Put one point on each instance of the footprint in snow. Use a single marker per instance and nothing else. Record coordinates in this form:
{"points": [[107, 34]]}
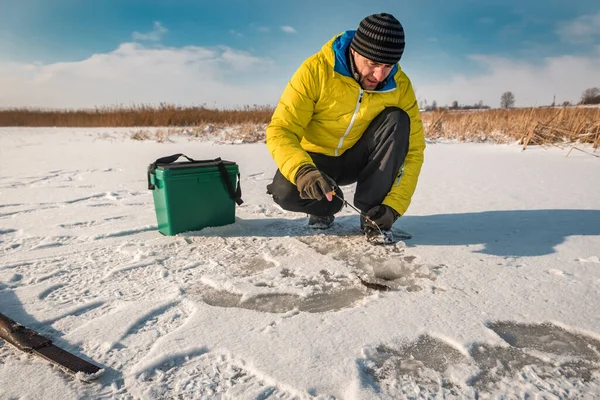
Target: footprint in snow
{"points": [[141, 335], [538, 359], [280, 303], [203, 375], [92, 223], [37, 243]]}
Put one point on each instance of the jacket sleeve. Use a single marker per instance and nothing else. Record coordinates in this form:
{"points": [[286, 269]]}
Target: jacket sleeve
{"points": [[290, 119], [399, 197]]}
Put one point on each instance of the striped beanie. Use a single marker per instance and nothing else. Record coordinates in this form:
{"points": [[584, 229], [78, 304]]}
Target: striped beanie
{"points": [[380, 38]]}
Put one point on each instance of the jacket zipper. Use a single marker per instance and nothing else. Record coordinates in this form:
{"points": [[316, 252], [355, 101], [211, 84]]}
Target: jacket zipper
{"points": [[360, 95]]}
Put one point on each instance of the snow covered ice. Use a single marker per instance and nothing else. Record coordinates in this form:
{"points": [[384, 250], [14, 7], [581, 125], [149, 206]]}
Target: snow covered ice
{"points": [[496, 294]]}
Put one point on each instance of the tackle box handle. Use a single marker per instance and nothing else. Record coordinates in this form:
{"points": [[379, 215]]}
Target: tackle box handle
{"points": [[236, 194]]}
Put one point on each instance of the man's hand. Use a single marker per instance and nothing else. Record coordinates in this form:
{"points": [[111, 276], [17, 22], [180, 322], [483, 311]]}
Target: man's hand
{"points": [[314, 184], [383, 216]]}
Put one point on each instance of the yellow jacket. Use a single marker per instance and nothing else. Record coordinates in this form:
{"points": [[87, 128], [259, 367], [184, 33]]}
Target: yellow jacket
{"points": [[324, 110]]}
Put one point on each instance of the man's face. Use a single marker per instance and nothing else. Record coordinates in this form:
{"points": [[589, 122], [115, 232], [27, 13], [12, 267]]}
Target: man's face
{"points": [[371, 73]]}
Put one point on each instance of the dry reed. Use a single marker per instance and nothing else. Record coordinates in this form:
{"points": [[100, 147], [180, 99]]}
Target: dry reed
{"points": [[528, 126]]}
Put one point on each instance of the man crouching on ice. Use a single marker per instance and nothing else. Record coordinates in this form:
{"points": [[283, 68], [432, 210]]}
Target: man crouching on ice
{"points": [[349, 115]]}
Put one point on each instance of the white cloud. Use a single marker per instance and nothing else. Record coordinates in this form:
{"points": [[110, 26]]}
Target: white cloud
{"points": [[263, 29], [155, 35], [235, 33], [136, 74], [532, 84], [226, 77], [288, 29], [584, 29]]}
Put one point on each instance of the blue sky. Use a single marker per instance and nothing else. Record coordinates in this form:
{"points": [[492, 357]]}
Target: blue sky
{"points": [[68, 53]]}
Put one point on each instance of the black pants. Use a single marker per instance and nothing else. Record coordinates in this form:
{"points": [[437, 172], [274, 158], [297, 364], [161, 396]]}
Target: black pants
{"points": [[374, 163]]}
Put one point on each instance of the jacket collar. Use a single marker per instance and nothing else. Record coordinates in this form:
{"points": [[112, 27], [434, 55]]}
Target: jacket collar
{"points": [[340, 46]]}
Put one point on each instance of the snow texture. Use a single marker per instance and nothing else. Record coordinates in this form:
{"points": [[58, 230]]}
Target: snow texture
{"points": [[495, 295]]}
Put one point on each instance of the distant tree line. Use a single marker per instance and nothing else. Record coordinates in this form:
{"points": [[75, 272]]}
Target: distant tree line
{"points": [[507, 100], [455, 106]]}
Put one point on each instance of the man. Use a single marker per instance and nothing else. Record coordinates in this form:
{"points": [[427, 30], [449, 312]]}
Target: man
{"points": [[349, 115]]}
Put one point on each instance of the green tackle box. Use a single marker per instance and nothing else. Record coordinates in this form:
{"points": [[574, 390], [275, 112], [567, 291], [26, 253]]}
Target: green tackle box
{"points": [[192, 195]]}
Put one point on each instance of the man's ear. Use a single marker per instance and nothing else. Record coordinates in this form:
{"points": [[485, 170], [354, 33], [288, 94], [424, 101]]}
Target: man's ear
{"points": [[353, 70]]}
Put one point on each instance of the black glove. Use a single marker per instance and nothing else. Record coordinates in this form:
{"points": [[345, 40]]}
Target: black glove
{"points": [[312, 183], [383, 216]]}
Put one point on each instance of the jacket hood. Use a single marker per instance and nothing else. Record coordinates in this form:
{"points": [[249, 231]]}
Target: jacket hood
{"points": [[335, 52]]}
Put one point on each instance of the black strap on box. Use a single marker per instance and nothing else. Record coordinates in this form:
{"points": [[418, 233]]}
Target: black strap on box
{"points": [[236, 194]]}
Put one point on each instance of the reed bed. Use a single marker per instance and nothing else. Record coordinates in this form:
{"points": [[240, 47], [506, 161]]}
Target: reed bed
{"points": [[528, 126], [135, 116]]}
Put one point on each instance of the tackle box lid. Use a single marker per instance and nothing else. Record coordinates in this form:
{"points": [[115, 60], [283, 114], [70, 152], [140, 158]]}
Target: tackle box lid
{"points": [[195, 164]]}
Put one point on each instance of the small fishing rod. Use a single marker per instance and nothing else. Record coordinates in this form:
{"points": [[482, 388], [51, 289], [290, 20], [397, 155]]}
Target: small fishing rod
{"points": [[367, 219]]}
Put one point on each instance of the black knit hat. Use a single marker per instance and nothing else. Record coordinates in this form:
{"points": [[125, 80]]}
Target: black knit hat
{"points": [[380, 38]]}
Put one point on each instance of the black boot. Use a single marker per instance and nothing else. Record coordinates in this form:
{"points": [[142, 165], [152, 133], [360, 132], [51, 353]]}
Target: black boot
{"points": [[320, 222]]}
